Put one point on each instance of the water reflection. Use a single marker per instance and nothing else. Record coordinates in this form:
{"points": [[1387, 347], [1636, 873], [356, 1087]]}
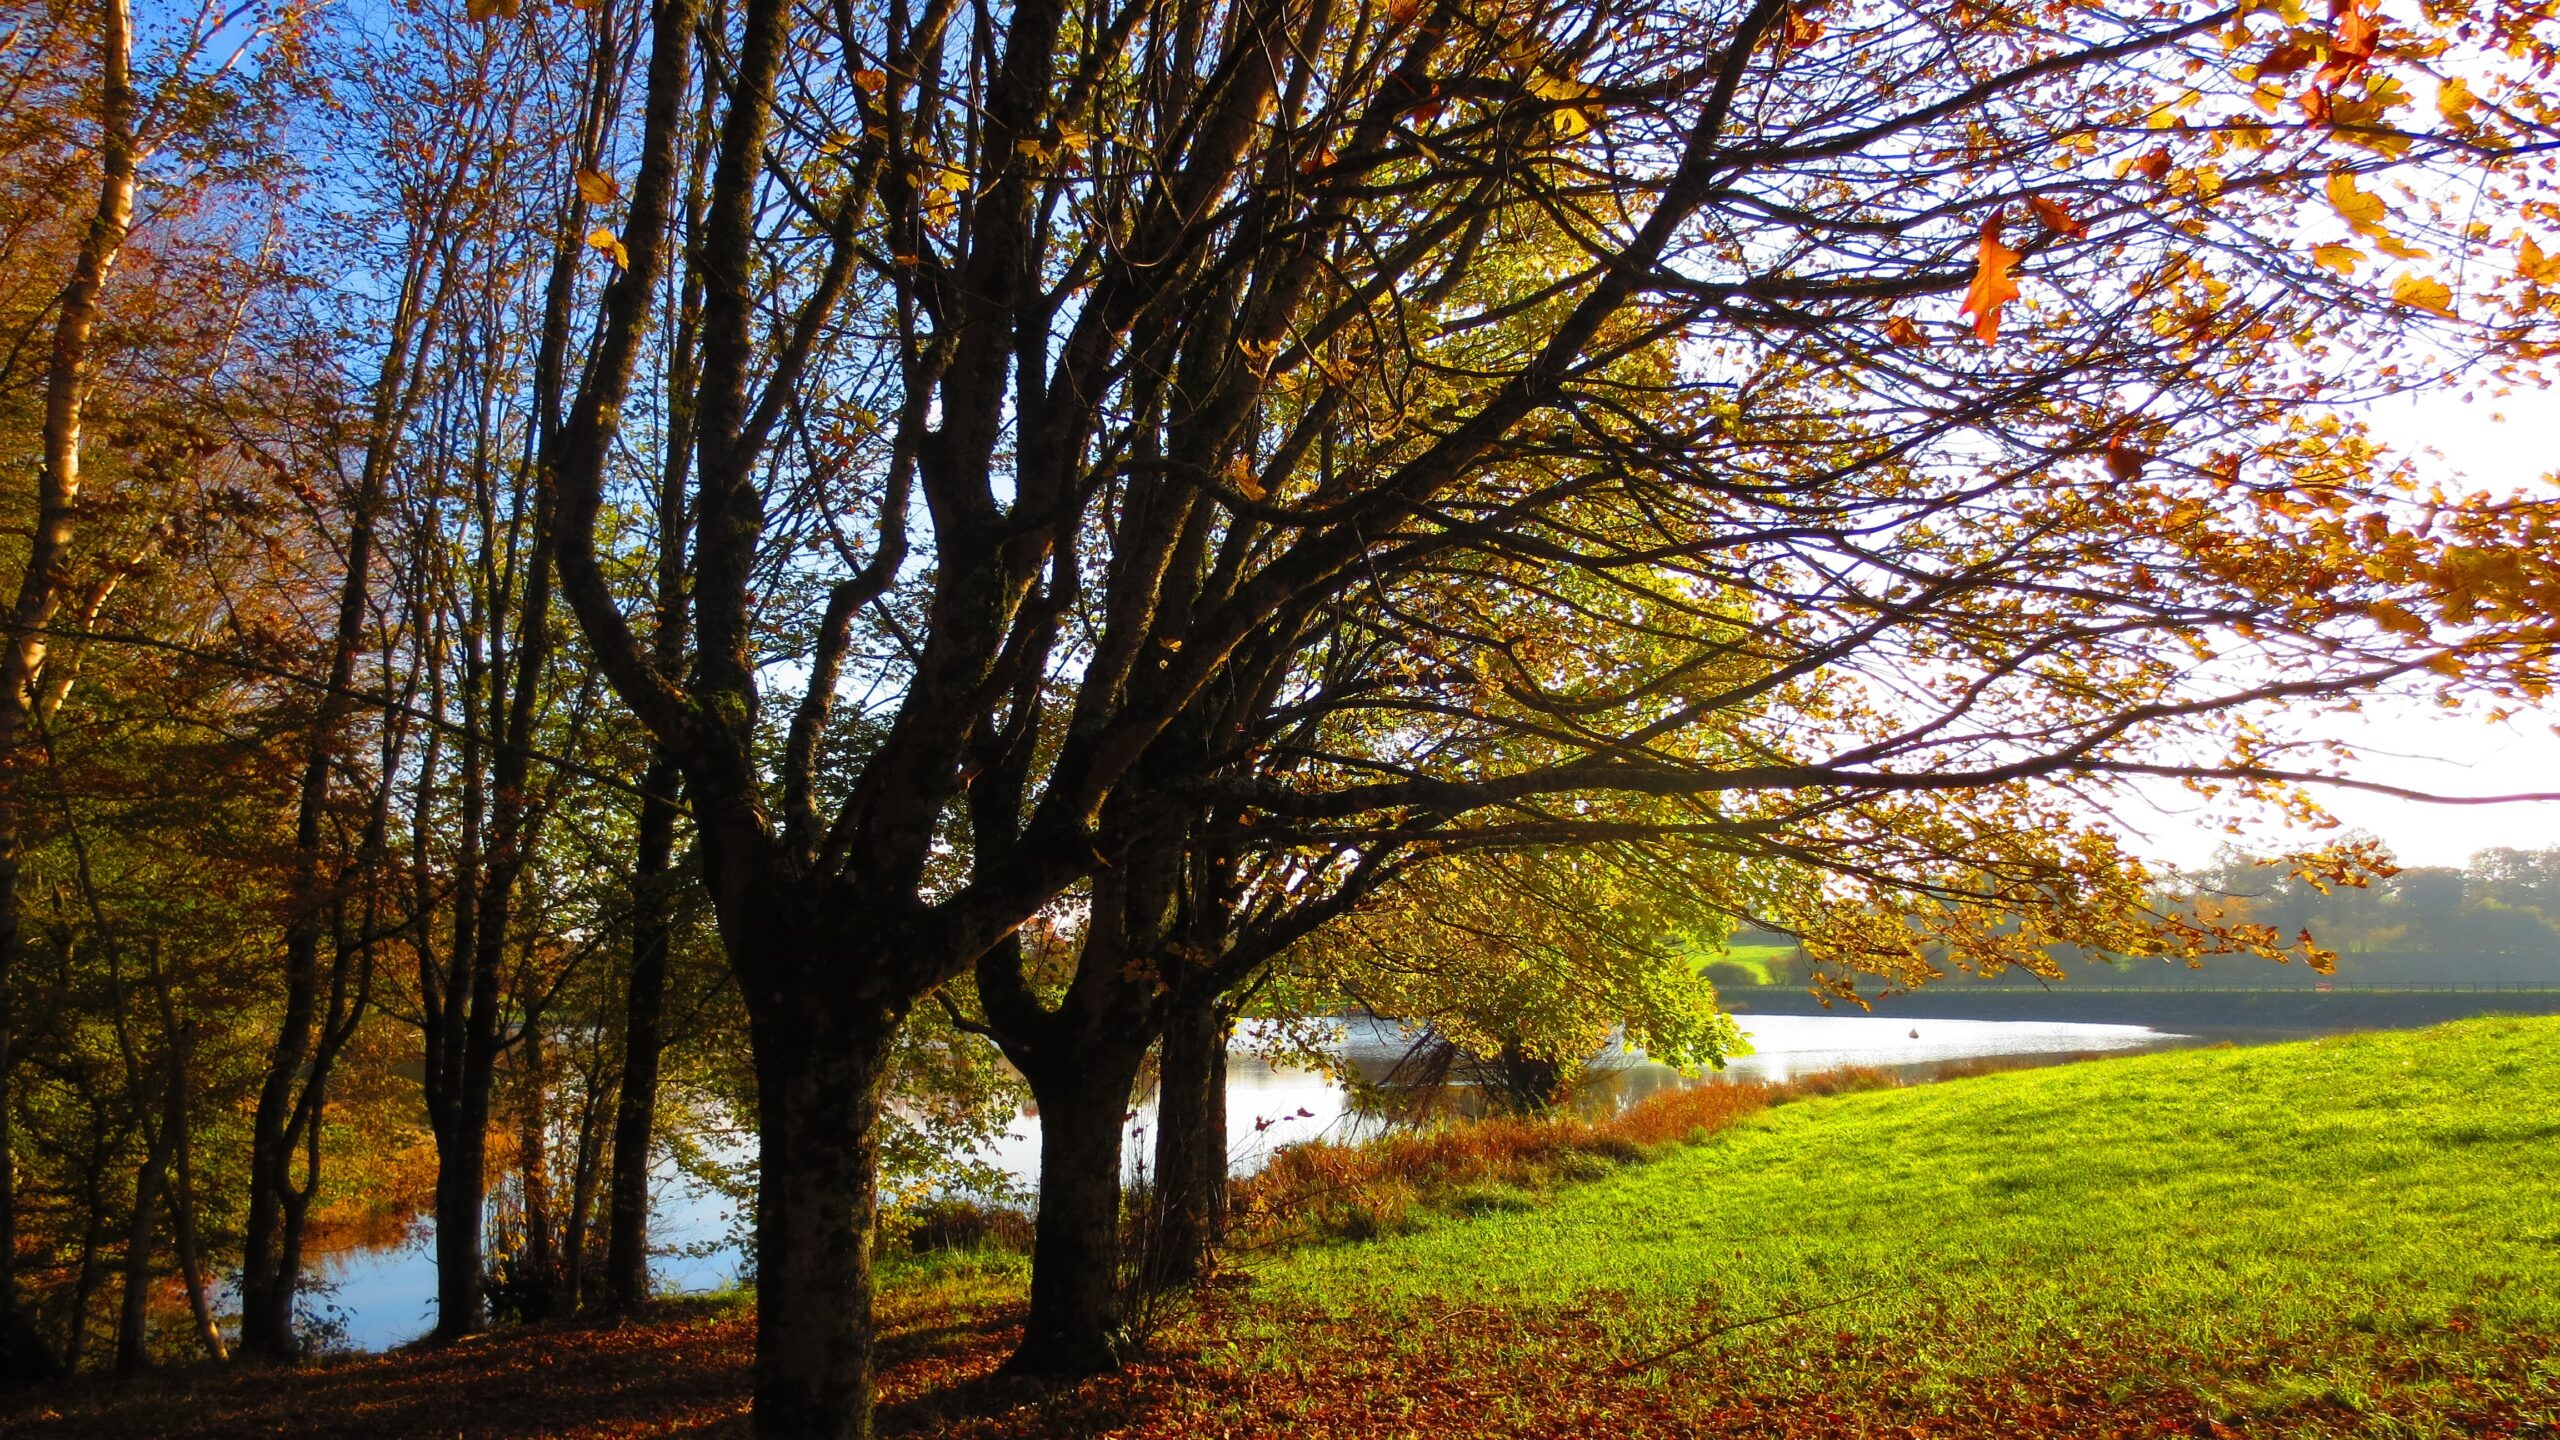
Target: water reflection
{"points": [[381, 1296]]}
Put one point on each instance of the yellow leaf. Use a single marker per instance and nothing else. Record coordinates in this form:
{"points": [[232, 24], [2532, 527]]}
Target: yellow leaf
{"points": [[2340, 258], [2423, 292], [603, 238], [597, 188], [2395, 617], [2454, 100], [2361, 209], [1240, 474], [2533, 265]]}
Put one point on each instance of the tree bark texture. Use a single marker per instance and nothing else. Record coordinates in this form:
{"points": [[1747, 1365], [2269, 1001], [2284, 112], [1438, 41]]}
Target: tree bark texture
{"points": [[1075, 1324], [1191, 1140], [817, 1195]]}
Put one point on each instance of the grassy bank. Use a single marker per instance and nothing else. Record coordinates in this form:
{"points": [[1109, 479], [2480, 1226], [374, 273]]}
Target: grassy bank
{"points": [[2359, 1235], [2354, 1236]]}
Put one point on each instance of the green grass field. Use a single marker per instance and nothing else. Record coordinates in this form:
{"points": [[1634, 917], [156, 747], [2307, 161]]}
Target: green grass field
{"points": [[1754, 958], [2353, 1235]]}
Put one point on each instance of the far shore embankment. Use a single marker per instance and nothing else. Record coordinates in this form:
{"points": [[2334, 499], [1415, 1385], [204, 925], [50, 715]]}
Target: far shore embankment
{"points": [[2295, 1008]]}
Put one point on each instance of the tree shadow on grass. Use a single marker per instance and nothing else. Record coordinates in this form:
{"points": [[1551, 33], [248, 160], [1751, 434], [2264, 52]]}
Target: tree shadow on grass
{"points": [[686, 1374], [684, 1371]]}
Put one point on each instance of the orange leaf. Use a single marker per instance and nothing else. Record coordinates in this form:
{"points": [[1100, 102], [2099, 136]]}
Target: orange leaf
{"points": [[2351, 48], [1901, 331], [2284, 60], [2057, 219], [2153, 167], [2123, 461], [870, 82], [1992, 288]]}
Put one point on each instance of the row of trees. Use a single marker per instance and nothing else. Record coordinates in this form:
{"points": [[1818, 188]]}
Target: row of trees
{"points": [[565, 529], [2496, 919]]}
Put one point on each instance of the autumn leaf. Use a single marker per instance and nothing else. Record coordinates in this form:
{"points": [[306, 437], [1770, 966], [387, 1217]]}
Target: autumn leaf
{"points": [[597, 188], [2361, 209], [2125, 462], [2057, 219], [602, 238], [481, 10], [2341, 258], [1403, 12], [1240, 474], [2285, 60], [2424, 292], [2396, 618], [1571, 120], [1992, 286], [1902, 331], [870, 82], [2454, 101], [2153, 167], [2351, 47], [2533, 266], [2364, 213]]}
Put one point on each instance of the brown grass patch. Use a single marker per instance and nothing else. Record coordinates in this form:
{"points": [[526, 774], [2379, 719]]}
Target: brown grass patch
{"points": [[1362, 1189]]}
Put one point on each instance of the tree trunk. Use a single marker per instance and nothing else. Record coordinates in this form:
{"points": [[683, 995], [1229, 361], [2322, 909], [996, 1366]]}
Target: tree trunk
{"points": [[133, 1319], [818, 1102], [1191, 1141], [462, 1178], [1075, 1322], [626, 1265], [68, 377], [182, 1223], [533, 1181]]}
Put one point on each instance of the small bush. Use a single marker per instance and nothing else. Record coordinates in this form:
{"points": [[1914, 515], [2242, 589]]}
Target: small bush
{"points": [[1357, 1192], [964, 1225]]}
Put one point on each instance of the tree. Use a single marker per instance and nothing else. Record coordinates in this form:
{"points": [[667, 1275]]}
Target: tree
{"points": [[1155, 325]]}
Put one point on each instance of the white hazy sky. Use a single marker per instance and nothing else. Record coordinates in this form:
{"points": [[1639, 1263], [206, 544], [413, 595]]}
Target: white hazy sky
{"points": [[2496, 445]]}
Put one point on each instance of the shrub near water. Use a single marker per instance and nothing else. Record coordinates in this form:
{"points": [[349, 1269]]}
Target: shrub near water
{"points": [[1359, 1191]]}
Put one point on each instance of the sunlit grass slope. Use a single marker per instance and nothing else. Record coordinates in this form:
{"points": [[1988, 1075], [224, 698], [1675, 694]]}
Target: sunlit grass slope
{"points": [[2351, 1235]]}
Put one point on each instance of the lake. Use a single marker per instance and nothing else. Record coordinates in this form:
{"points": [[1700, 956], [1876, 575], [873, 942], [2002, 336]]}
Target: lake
{"points": [[383, 1296]]}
